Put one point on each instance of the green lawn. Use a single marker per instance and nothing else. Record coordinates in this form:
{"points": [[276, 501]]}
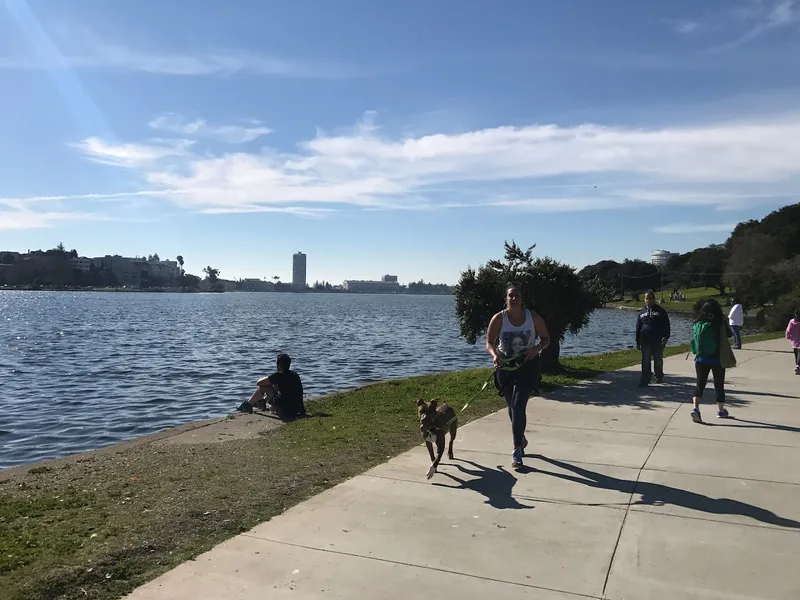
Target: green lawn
{"points": [[102, 525], [692, 296]]}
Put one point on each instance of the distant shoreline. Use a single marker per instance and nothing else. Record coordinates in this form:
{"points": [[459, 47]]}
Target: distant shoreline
{"points": [[18, 288]]}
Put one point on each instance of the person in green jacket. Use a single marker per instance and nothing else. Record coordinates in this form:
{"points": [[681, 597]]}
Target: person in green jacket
{"points": [[706, 337]]}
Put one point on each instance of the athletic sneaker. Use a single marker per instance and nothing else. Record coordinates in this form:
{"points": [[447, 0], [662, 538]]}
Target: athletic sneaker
{"points": [[723, 414], [516, 458], [696, 415], [245, 407]]}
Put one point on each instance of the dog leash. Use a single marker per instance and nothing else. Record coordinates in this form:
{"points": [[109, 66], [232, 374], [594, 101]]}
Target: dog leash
{"points": [[501, 367]]}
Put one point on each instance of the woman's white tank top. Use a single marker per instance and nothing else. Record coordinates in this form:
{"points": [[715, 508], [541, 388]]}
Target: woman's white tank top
{"points": [[514, 340]]}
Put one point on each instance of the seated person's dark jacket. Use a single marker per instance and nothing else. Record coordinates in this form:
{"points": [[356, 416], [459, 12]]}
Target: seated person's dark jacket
{"points": [[289, 401]]}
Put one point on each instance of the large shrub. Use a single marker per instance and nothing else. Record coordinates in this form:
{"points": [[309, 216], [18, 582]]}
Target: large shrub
{"points": [[551, 288]]}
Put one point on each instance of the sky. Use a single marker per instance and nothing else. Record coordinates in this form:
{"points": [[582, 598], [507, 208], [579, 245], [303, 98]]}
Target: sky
{"points": [[409, 138]]}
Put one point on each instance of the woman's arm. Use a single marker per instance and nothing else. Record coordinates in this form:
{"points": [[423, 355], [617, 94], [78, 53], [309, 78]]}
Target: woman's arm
{"points": [[491, 336], [541, 331]]}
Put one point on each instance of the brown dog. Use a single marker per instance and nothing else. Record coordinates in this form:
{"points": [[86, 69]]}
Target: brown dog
{"points": [[434, 421]]}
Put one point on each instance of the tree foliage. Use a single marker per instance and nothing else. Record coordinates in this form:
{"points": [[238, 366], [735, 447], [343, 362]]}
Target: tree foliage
{"points": [[212, 274], [551, 288], [783, 310], [705, 267]]}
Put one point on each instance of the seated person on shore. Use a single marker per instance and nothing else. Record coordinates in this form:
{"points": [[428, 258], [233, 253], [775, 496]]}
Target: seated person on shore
{"points": [[282, 391]]}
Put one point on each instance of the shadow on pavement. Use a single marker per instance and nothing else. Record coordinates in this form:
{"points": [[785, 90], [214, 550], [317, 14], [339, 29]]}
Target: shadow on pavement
{"points": [[656, 494], [496, 484], [754, 425], [620, 388]]}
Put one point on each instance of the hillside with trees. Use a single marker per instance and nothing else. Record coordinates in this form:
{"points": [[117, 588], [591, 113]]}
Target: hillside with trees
{"points": [[759, 264]]}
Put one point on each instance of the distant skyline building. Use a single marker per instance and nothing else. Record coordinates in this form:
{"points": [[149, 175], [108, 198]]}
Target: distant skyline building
{"points": [[387, 284], [299, 270], [661, 257]]}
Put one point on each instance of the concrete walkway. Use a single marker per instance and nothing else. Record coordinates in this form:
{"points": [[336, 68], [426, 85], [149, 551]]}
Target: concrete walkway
{"points": [[623, 498]]}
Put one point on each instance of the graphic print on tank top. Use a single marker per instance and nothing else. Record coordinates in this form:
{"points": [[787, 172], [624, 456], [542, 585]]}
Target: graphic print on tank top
{"points": [[515, 339], [514, 343]]}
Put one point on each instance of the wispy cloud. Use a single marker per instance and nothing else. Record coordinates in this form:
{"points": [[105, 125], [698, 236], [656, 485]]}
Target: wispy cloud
{"points": [[679, 228], [23, 219], [761, 17], [539, 167], [223, 62], [130, 155], [684, 27], [231, 134]]}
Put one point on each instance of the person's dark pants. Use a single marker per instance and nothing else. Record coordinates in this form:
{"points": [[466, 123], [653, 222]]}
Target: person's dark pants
{"points": [[702, 370], [797, 358], [516, 387], [737, 336], [652, 352]]}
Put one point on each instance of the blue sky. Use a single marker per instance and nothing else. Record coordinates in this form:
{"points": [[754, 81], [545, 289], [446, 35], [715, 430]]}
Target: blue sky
{"points": [[409, 138]]}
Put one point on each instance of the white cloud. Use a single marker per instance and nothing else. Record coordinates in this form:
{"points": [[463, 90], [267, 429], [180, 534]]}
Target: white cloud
{"points": [[231, 134], [685, 27], [678, 228], [717, 164], [130, 155], [120, 58], [18, 219], [761, 17]]}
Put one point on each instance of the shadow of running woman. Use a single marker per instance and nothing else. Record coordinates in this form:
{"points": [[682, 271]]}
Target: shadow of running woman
{"points": [[495, 484], [656, 494]]}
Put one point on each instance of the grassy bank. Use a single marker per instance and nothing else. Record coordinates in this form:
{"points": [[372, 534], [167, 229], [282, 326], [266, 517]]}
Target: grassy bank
{"points": [[99, 526], [687, 307]]}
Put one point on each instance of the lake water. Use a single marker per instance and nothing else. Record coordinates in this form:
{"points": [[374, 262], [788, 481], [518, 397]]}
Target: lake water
{"points": [[82, 370]]}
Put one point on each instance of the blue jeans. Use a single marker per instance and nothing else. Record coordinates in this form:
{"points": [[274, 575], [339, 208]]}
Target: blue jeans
{"points": [[737, 335], [652, 351]]}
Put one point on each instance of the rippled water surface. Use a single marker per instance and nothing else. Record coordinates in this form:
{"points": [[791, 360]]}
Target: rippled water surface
{"points": [[84, 370]]}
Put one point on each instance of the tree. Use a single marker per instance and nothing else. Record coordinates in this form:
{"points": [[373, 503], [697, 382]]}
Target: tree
{"points": [[553, 289], [8, 259], [212, 274], [191, 281], [597, 287], [706, 267], [639, 275], [750, 268]]}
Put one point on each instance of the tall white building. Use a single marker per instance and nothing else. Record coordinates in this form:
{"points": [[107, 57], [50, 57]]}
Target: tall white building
{"points": [[299, 270]]}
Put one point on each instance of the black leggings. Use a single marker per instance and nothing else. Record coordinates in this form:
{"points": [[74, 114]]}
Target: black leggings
{"points": [[702, 370], [516, 387], [797, 357]]}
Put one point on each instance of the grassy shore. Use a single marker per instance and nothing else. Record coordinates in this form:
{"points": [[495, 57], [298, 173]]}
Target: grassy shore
{"points": [[687, 307], [99, 526]]}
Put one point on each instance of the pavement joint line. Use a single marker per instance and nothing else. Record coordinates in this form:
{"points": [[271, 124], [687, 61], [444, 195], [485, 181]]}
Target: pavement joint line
{"points": [[691, 437], [630, 498], [724, 477], [589, 429], [709, 520], [425, 567]]}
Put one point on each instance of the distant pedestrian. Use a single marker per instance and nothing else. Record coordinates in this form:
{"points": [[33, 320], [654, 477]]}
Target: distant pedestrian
{"points": [[517, 336], [708, 334], [652, 335], [793, 335], [736, 320]]}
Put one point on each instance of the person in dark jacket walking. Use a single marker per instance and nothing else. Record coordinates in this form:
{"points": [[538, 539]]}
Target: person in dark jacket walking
{"points": [[652, 334]]}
